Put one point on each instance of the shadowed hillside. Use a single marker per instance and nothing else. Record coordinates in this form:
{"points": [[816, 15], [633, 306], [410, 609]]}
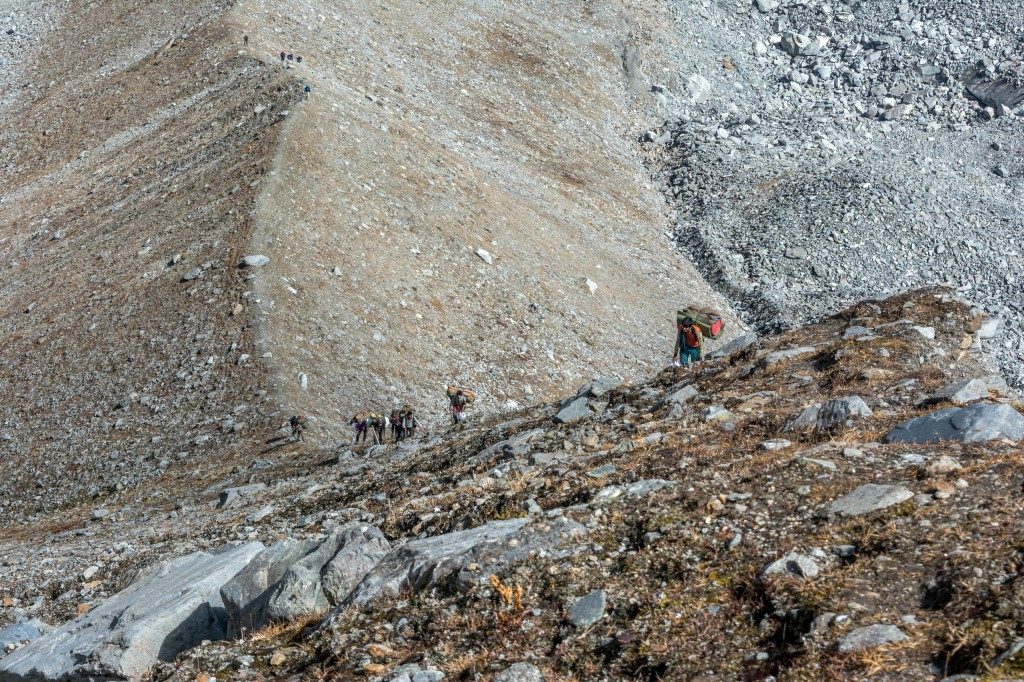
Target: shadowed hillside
{"points": [[131, 164]]}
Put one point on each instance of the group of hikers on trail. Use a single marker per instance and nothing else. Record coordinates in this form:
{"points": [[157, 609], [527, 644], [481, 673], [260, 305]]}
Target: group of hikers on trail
{"points": [[693, 325], [366, 423], [403, 423]]}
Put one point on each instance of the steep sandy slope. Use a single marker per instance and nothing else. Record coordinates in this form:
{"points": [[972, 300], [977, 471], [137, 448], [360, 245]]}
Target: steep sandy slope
{"points": [[131, 158], [436, 130]]}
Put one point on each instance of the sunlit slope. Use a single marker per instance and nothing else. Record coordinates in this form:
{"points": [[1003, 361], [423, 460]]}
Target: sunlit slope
{"points": [[434, 131]]}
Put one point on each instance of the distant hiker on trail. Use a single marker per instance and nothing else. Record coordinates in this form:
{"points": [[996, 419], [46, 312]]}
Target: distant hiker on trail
{"points": [[245, 40], [282, 57], [361, 422], [459, 399], [689, 343], [306, 90], [377, 422], [298, 425], [409, 422], [458, 407], [396, 425], [298, 58]]}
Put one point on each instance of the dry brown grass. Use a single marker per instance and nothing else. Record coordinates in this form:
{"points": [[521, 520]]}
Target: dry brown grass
{"points": [[891, 659], [285, 631]]}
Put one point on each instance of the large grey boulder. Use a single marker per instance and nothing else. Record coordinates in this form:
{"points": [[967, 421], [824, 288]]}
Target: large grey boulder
{"points": [[246, 595], [360, 548], [870, 637], [600, 386], [837, 413], [975, 423], [168, 609], [296, 578], [740, 343], [299, 593], [458, 560], [964, 392], [869, 498]]}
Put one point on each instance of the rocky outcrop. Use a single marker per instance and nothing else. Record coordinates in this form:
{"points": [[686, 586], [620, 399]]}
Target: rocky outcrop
{"points": [[456, 560], [297, 578], [976, 423], [246, 596], [167, 610]]}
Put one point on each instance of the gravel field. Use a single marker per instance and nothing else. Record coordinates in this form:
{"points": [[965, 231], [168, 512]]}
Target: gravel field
{"points": [[23, 23], [820, 153]]}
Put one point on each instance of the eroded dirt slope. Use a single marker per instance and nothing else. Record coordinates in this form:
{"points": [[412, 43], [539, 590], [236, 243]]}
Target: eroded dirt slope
{"points": [[132, 155]]}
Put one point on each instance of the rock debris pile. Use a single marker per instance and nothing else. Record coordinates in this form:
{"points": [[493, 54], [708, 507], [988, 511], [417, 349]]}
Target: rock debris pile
{"points": [[837, 151]]}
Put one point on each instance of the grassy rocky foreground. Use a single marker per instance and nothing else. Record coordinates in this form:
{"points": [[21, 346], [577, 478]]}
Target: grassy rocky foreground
{"points": [[839, 502]]}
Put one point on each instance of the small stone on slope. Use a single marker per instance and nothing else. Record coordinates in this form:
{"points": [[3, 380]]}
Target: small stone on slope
{"points": [[869, 498], [870, 637], [588, 609]]}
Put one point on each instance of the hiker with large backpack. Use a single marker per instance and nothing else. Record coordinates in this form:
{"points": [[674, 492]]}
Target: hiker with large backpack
{"points": [[689, 343], [459, 399], [408, 421], [361, 423], [378, 423], [298, 425], [693, 325], [396, 425]]}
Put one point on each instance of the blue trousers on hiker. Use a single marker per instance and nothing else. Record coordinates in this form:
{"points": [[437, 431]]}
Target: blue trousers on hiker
{"points": [[688, 355]]}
